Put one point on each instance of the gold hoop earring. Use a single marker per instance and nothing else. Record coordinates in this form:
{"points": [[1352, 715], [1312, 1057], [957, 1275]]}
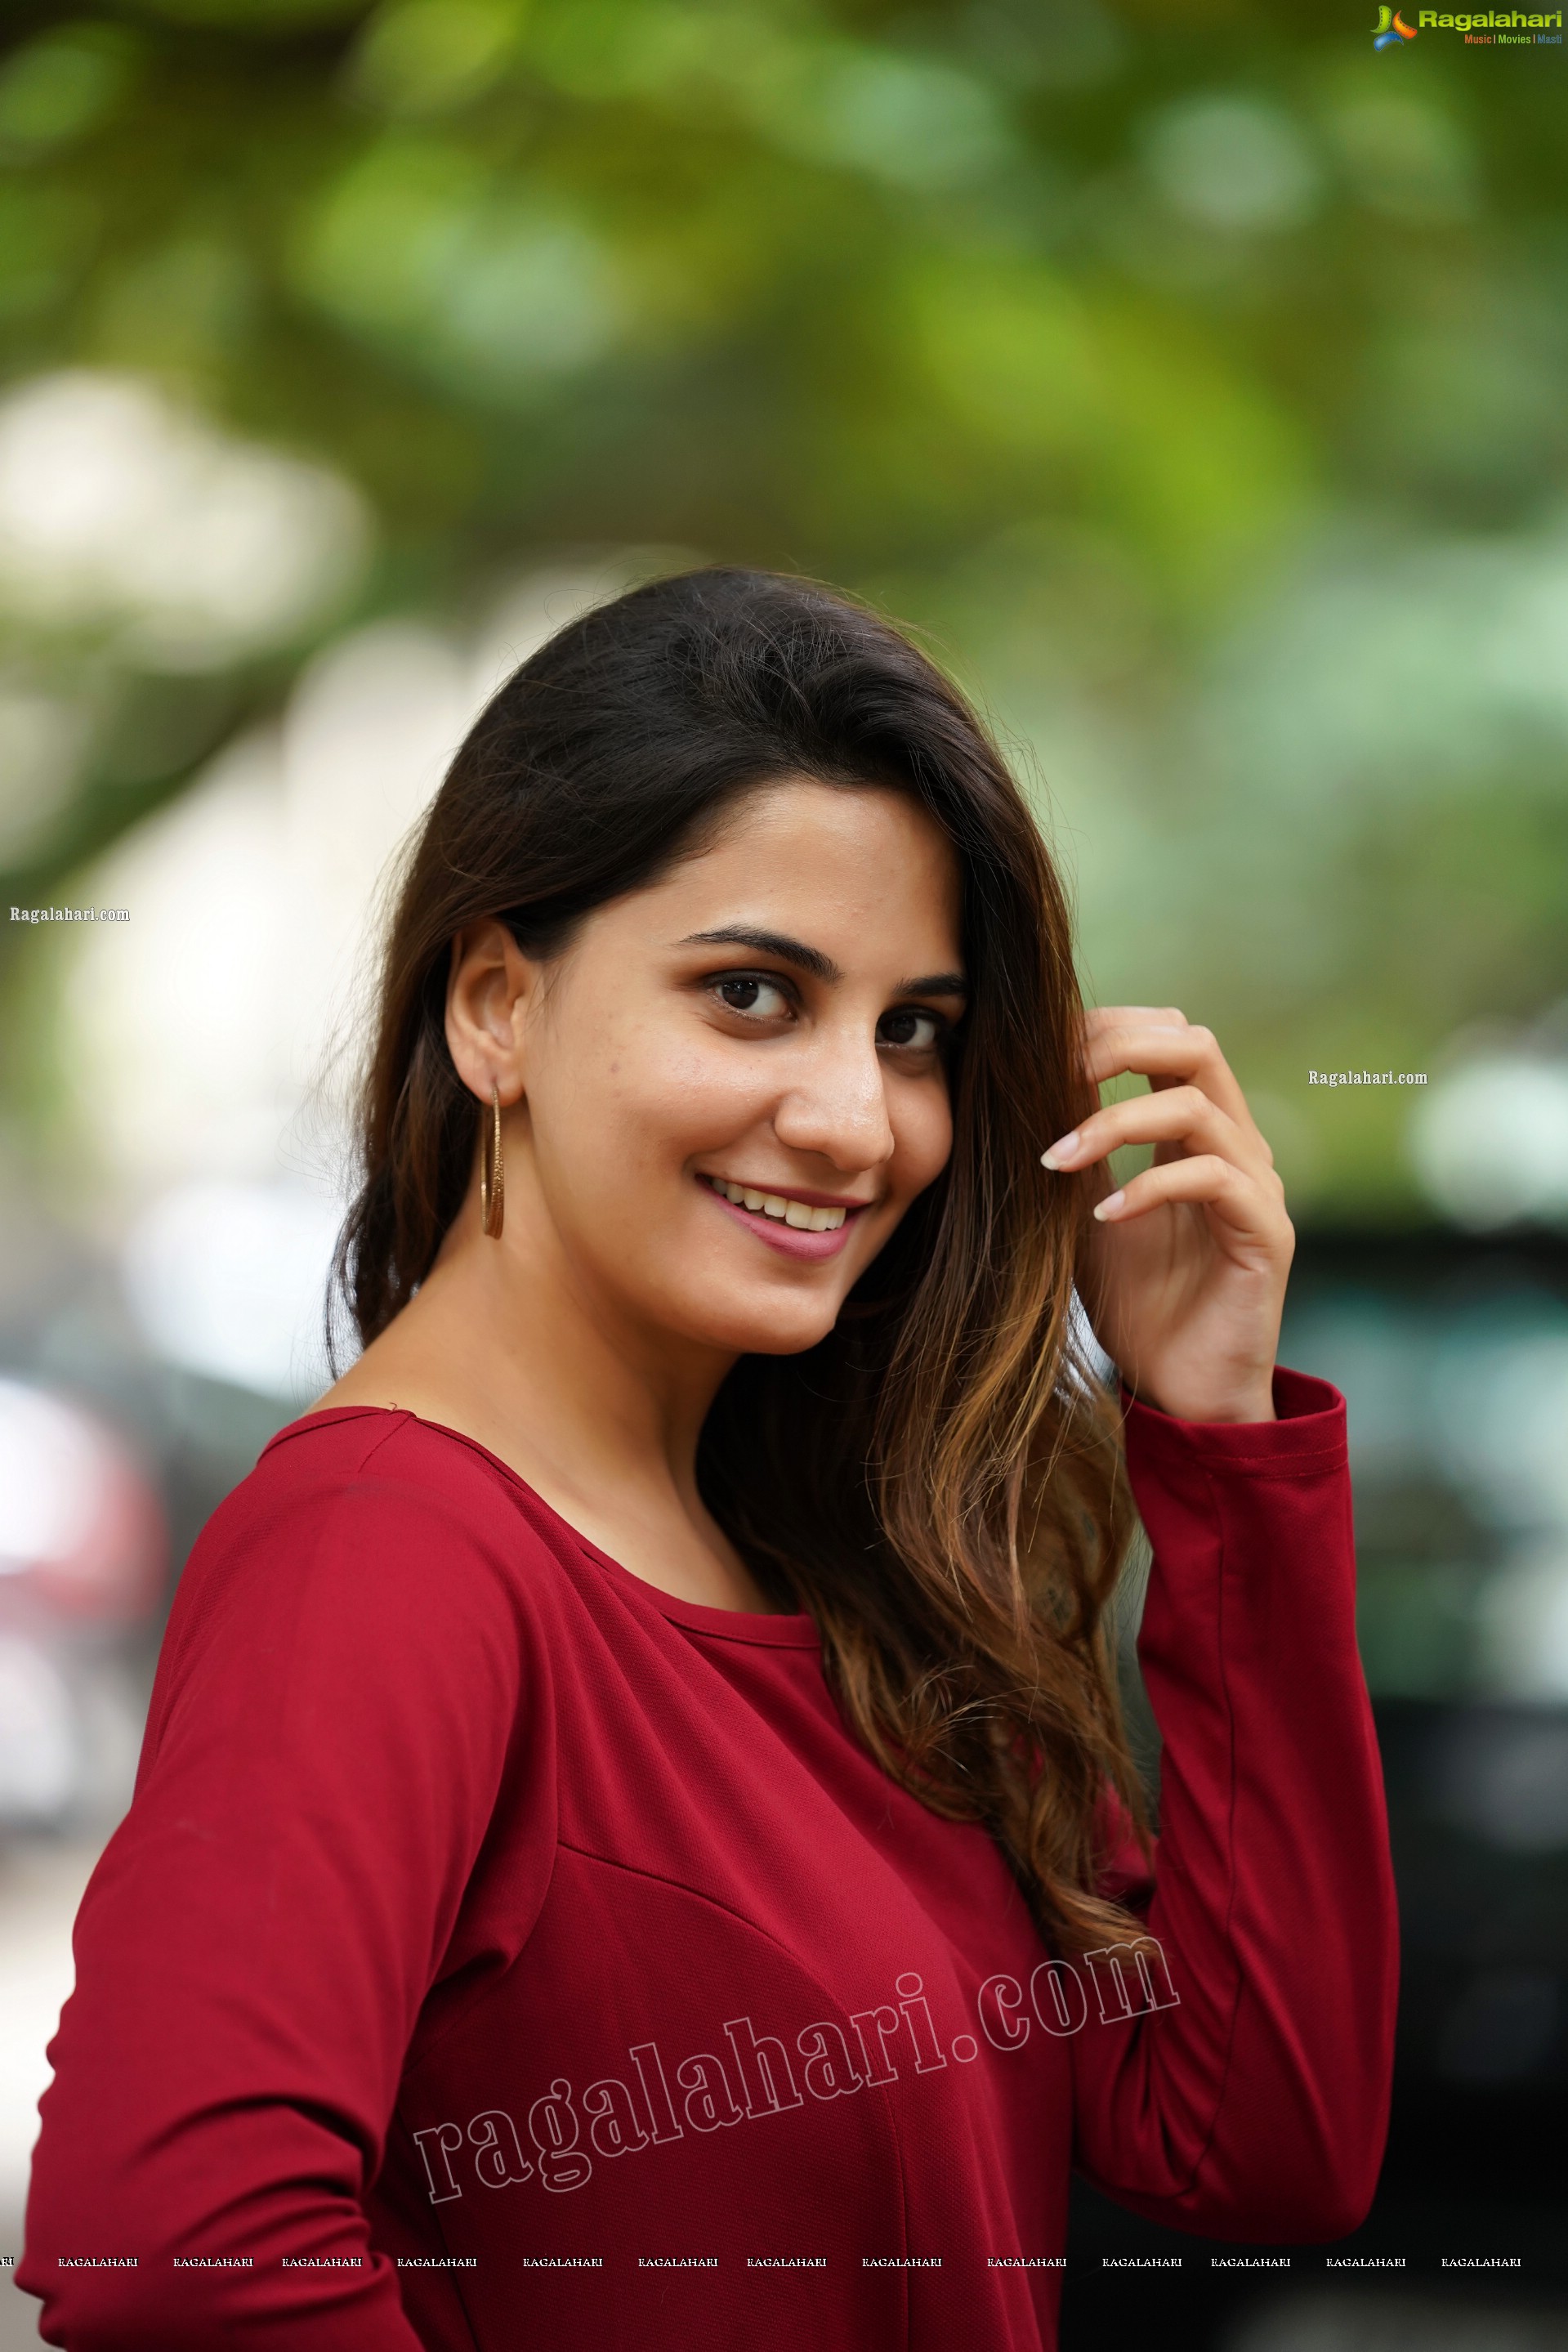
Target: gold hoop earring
{"points": [[492, 1174]]}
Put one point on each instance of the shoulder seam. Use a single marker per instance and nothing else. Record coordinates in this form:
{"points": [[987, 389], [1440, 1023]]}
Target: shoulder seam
{"points": [[393, 1416]]}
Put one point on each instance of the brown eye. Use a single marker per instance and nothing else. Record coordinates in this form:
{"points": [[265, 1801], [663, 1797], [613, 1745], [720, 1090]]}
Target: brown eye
{"points": [[910, 1027], [752, 992]]}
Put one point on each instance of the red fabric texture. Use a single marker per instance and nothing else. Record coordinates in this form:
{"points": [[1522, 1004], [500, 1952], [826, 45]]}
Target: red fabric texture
{"points": [[499, 1951]]}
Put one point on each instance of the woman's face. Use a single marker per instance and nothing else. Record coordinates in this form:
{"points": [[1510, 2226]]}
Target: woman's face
{"points": [[734, 1080]]}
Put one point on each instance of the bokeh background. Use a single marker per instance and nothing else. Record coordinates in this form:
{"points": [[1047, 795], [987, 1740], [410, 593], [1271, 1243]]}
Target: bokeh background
{"points": [[1189, 376]]}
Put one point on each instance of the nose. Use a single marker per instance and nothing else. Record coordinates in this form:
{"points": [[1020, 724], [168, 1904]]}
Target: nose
{"points": [[836, 1106]]}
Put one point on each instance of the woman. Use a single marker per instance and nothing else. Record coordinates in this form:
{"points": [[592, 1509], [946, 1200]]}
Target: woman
{"points": [[634, 1842]]}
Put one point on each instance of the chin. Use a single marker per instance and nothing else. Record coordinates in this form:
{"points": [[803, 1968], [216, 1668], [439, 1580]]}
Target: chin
{"points": [[786, 1328], [773, 1342]]}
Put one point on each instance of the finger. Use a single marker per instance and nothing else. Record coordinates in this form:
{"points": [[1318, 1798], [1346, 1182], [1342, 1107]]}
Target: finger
{"points": [[1112, 1016], [1115, 1021], [1182, 1115], [1256, 1212], [1166, 1056]]}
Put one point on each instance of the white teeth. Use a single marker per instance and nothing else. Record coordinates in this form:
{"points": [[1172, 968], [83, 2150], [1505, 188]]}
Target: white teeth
{"points": [[799, 1214]]}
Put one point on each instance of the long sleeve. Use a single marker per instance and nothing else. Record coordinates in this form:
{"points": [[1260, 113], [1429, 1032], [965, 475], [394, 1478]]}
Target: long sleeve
{"points": [[343, 1693], [1255, 2105]]}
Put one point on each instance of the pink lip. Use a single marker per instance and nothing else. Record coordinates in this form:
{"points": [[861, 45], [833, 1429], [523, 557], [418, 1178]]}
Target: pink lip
{"points": [[787, 1240]]}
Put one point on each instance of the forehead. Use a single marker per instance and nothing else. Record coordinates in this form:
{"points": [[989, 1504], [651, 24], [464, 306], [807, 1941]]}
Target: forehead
{"points": [[839, 854]]}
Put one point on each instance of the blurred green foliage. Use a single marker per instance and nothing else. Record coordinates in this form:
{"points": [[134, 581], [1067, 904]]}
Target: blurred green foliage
{"points": [[1189, 375]]}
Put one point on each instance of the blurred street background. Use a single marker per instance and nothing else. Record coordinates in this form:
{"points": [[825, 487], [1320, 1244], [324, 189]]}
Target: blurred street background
{"points": [[1188, 374]]}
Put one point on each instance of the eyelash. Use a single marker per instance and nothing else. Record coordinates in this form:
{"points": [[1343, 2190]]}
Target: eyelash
{"points": [[941, 1027]]}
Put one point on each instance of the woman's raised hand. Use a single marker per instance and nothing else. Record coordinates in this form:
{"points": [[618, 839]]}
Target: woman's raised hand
{"points": [[1185, 1275]]}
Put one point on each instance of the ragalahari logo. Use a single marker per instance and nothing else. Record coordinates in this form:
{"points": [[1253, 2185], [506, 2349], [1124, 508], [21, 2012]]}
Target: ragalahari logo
{"points": [[1391, 29]]}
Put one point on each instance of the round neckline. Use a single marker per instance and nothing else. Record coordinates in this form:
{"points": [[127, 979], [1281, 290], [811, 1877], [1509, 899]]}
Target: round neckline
{"points": [[793, 1628]]}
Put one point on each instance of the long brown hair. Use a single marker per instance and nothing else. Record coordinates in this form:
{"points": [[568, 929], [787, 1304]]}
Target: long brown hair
{"points": [[940, 1481]]}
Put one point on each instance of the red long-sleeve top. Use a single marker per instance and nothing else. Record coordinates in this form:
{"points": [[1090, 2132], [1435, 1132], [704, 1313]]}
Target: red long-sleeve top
{"points": [[499, 1951]]}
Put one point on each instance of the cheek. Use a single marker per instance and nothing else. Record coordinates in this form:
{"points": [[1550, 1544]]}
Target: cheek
{"points": [[923, 1136], [645, 1096]]}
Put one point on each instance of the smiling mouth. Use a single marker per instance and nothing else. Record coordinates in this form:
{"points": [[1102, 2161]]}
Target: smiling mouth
{"points": [[805, 1216]]}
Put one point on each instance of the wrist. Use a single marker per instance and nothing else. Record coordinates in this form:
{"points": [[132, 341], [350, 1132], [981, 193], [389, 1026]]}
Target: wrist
{"points": [[1252, 1403]]}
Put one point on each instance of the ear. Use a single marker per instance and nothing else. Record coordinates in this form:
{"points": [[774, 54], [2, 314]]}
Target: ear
{"points": [[490, 984]]}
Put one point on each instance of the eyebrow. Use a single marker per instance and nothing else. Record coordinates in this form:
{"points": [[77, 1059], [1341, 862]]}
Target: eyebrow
{"points": [[812, 960]]}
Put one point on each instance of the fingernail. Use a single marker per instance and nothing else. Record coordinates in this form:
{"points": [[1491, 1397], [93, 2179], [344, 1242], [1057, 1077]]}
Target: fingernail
{"points": [[1112, 1201], [1065, 1147]]}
